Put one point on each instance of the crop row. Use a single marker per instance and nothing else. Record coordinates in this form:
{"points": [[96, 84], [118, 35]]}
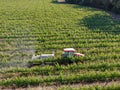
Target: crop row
{"points": [[62, 45], [67, 34], [62, 79], [100, 56], [57, 69], [60, 41], [88, 57]]}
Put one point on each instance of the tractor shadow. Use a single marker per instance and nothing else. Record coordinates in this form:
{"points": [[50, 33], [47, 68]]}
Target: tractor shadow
{"points": [[96, 22], [103, 23]]}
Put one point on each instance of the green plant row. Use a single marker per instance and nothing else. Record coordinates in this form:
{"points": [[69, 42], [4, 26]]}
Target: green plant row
{"points": [[46, 70], [62, 79], [94, 57], [54, 61]]}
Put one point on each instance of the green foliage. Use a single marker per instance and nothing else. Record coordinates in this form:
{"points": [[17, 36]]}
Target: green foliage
{"points": [[53, 61], [63, 79], [40, 26]]}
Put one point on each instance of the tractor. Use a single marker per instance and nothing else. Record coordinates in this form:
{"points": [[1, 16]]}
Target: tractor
{"points": [[70, 52], [67, 52]]}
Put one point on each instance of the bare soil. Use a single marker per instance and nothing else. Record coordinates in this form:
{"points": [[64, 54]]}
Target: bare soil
{"points": [[61, 0]]}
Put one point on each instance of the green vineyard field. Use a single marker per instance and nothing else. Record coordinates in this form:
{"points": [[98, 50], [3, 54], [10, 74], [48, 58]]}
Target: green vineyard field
{"points": [[37, 27]]}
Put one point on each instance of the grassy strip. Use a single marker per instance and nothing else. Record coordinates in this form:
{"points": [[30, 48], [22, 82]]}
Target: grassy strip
{"points": [[62, 79], [59, 69]]}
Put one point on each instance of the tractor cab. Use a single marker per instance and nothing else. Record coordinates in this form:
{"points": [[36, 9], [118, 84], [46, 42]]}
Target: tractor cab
{"points": [[70, 52]]}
